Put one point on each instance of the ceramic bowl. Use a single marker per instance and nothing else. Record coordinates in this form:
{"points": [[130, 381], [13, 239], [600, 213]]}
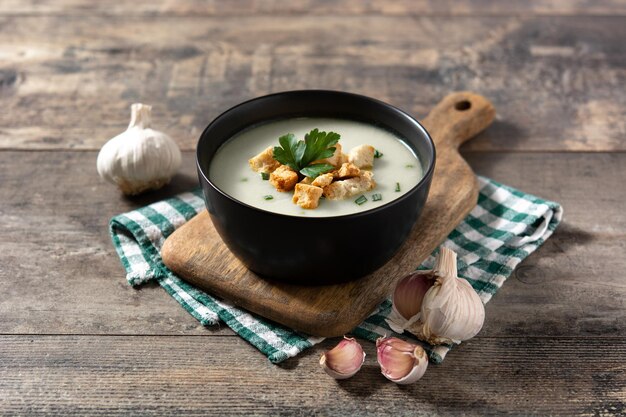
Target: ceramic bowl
{"points": [[329, 249]]}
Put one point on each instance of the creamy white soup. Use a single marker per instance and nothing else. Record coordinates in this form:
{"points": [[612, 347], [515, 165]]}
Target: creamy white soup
{"points": [[395, 172]]}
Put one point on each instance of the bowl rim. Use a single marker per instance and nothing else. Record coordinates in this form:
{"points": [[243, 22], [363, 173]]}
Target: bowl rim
{"points": [[425, 178]]}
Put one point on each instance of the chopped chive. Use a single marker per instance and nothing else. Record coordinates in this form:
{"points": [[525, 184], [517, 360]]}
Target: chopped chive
{"points": [[268, 197], [397, 187], [265, 176], [244, 179], [362, 199], [409, 165], [377, 197], [377, 154]]}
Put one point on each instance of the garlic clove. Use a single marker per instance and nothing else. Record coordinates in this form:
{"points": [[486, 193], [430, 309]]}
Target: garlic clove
{"points": [[407, 300], [140, 158], [344, 360], [409, 293], [401, 362]]}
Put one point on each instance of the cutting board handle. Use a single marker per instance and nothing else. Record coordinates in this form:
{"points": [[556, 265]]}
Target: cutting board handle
{"points": [[458, 117]]}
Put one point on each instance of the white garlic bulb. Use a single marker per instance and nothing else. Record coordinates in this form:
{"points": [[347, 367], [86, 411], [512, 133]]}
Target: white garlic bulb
{"points": [[436, 305], [140, 158]]}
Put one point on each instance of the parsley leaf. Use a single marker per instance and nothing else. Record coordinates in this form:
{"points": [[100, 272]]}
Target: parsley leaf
{"points": [[319, 146], [314, 170], [287, 152], [299, 155]]}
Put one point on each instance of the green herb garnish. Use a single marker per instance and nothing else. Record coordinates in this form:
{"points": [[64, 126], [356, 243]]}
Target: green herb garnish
{"points": [[377, 197], [362, 199], [299, 154], [244, 179], [265, 176], [409, 165], [377, 154], [268, 197], [397, 187]]}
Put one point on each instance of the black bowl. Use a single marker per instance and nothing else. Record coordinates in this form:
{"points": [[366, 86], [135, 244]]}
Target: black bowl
{"points": [[314, 250]]}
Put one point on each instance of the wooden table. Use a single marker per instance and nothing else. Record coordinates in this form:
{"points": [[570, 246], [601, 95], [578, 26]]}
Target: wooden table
{"points": [[76, 339]]}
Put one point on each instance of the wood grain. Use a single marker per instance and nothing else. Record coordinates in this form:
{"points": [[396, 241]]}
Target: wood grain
{"points": [[53, 222], [68, 375], [312, 7], [196, 253], [69, 69], [66, 82], [58, 269]]}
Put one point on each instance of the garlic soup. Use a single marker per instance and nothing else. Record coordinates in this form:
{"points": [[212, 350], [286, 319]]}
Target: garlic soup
{"points": [[396, 171]]}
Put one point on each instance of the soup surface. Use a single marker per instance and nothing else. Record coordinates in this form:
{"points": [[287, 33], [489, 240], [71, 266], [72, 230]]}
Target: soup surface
{"points": [[398, 167]]}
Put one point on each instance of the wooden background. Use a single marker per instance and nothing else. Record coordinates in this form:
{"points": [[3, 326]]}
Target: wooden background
{"points": [[76, 339]]}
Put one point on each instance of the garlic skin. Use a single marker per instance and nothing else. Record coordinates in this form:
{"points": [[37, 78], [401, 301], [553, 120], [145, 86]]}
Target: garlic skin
{"points": [[401, 362], [140, 158], [344, 360], [449, 312]]}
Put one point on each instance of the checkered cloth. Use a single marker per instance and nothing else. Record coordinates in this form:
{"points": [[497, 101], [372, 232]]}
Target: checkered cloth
{"points": [[505, 227]]}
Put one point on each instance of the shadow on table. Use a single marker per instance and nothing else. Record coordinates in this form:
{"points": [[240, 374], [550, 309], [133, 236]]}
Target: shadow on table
{"points": [[564, 238], [179, 184], [367, 381], [501, 134]]}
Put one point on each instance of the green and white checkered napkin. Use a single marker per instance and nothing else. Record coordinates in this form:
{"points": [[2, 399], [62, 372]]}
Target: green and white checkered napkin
{"points": [[505, 227]]}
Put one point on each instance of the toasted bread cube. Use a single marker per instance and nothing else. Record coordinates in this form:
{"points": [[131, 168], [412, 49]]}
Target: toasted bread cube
{"points": [[339, 190], [362, 156], [347, 170], [306, 180], [334, 160], [284, 178], [264, 162], [323, 180], [307, 196]]}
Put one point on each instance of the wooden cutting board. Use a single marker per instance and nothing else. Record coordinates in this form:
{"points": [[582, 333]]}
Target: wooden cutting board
{"points": [[196, 253]]}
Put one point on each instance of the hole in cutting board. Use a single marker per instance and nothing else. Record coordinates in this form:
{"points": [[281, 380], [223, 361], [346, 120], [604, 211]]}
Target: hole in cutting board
{"points": [[463, 105]]}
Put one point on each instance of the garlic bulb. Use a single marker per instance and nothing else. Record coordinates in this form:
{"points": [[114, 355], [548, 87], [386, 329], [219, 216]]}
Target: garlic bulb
{"points": [[401, 362], [344, 360], [436, 305], [140, 158]]}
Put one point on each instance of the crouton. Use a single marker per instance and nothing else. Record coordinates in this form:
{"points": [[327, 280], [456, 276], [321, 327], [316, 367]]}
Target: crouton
{"points": [[264, 162], [339, 190], [362, 156], [307, 196], [323, 180], [334, 160], [347, 170], [284, 178], [306, 180]]}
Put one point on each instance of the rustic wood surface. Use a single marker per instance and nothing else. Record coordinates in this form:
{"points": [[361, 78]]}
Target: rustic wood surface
{"points": [[76, 339], [141, 376], [556, 80], [196, 253], [314, 7]]}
